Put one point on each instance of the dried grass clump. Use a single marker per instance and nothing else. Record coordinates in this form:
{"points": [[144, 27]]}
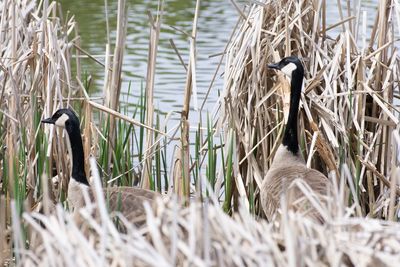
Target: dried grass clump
{"points": [[202, 234], [35, 75], [348, 114]]}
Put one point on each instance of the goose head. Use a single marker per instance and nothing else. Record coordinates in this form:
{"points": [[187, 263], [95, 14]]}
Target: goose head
{"points": [[64, 118], [290, 66]]}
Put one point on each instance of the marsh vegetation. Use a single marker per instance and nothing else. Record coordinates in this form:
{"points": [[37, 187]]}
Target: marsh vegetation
{"points": [[349, 121]]}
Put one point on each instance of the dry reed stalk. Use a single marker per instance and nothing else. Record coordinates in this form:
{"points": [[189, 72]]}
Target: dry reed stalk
{"points": [[182, 178], [87, 134], [13, 95], [155, 27], [5, 248], [348, 95], [114, 89]]}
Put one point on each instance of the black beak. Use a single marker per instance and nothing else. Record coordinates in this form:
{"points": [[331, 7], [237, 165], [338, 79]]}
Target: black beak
{"points": [[48, 120], [274, 66]]}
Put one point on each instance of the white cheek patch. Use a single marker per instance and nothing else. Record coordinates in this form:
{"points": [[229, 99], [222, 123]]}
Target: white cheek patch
{"points": [[60, 122], [288, 69]]}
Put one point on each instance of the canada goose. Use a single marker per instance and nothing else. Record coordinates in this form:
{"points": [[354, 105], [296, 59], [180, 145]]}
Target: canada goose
{"points": [[127, 200], [288, 163]]}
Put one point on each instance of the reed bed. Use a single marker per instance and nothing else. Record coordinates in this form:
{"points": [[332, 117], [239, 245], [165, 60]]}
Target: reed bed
{"points": [[349, 114], [349, 118], [35, 78]]}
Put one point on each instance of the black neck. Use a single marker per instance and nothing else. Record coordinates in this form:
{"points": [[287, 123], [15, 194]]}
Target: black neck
{"points": [[78, 158], [290, 137]]}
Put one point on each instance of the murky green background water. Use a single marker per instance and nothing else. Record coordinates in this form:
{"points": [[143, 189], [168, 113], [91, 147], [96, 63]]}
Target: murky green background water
{"points": [[216, 22]]}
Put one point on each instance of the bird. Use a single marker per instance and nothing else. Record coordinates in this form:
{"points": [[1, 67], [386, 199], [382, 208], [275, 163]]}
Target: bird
{"points": [[288, 163], [126, 200]]}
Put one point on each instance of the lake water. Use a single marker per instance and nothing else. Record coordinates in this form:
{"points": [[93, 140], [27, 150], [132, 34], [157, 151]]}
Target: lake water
{"points": [[216, 22]]}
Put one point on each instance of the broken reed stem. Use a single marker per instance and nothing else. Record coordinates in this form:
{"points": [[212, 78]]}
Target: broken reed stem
{"points": [[182, 181], [155, 27], [124, 117]]}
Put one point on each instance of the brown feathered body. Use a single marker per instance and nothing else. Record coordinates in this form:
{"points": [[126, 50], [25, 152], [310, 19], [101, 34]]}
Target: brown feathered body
{"points": [[285, 169], [126, 200]]}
